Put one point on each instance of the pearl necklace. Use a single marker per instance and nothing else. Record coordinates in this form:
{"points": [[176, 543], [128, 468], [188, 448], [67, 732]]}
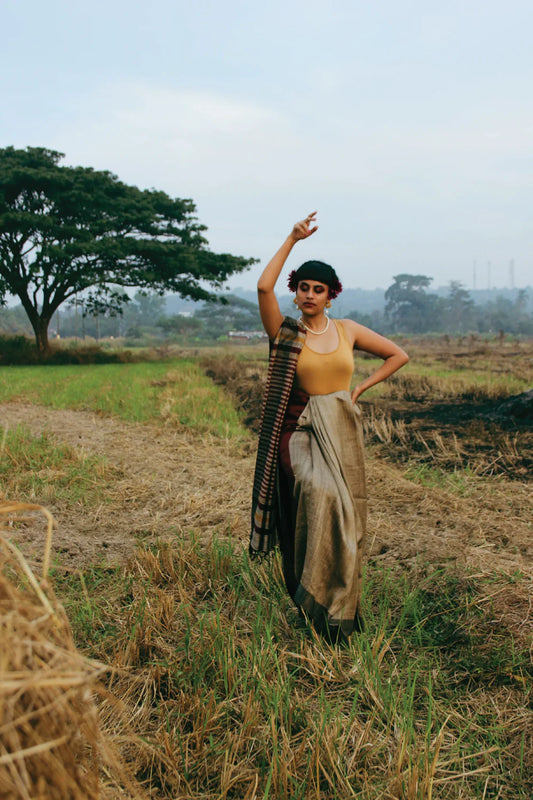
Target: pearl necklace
{"points": [[317, 333]]}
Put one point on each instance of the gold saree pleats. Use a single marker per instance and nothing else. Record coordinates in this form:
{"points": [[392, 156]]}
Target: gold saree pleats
{"points": [[329, 507]]}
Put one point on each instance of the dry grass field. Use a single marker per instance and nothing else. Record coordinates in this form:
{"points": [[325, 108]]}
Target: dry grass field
{"points": [[210, 687]]}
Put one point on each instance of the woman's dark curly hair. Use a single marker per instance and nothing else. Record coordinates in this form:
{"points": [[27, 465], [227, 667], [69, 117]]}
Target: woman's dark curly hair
{"points": [[316, 271]]}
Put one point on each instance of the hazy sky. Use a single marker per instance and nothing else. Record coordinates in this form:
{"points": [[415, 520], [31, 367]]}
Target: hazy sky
{"points": [[407, 125]]}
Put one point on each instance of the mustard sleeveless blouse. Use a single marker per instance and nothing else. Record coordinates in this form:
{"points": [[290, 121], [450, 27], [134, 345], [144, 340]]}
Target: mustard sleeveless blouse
{"points": [[323, 373]]}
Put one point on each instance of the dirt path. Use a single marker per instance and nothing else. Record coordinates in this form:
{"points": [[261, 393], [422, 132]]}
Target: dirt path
{"points": [[165, 483], [168, 482]]}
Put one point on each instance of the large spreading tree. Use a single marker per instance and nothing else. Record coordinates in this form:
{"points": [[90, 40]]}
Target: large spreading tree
{"points": [[71, 231]]}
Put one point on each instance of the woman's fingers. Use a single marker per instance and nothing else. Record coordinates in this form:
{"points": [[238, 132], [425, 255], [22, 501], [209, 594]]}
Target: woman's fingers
{"points": [[310, 218], [301, 230]]}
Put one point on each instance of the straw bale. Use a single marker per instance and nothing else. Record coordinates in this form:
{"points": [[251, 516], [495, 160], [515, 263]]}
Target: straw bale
{"points": [[51, 745]]}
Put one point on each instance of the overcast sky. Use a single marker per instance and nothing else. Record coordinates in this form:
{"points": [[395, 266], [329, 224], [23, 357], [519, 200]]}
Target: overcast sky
{"points": [[407, 125]]}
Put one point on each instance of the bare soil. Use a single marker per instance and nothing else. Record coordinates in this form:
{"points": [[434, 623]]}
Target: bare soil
{"points": [[169, 482], [166, 482]]}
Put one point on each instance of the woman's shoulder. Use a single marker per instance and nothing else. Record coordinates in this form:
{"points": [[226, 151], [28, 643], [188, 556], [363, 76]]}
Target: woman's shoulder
{"points": [[350, 328], [356, 332], [289, 327]]}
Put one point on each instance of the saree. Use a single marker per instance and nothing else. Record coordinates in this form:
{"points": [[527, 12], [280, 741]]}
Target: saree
{"points": [[316, 509], [323, 508]]}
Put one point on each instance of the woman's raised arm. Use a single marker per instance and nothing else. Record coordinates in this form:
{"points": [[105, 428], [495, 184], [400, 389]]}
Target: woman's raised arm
{"points": [[271, 315]]}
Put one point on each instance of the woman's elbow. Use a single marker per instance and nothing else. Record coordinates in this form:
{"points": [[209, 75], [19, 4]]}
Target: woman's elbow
{"points": [[399, 357], [262, 287], [404, 358]]}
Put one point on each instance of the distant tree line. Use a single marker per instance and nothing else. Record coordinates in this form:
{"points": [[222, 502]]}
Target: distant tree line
{"points": [[409, 308], [144, 317]]}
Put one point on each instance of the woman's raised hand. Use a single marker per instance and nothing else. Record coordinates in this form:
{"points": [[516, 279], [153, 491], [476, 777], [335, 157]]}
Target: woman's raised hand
{"points": [[268, 303], [303, 229]]}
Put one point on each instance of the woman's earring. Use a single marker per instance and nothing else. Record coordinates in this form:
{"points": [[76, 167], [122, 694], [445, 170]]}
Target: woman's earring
{"points": [[295, 301], [328, 303]]}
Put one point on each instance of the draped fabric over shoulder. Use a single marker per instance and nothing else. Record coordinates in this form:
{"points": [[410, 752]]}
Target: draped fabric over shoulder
{"points": [[309, 493], [284, 352]]}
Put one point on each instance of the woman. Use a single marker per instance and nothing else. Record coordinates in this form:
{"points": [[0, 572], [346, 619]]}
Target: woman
{"points": [[309, 486]]}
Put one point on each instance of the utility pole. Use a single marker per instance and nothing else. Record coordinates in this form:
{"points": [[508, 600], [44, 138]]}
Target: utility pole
{"points": [[474, 270], [511, 273]]}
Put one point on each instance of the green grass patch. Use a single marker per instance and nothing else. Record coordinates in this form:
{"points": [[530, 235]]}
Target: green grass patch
{"points": [[462, 481], [90, 597], [174, 392], [39, 469]]}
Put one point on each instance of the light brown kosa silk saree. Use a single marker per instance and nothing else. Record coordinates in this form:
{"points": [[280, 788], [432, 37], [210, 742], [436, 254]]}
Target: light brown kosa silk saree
{"points": [[328, 510], [319, 519]]}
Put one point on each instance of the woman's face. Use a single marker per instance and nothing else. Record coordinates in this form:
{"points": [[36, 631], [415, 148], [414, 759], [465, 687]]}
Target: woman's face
{"points": [[311, 297]]}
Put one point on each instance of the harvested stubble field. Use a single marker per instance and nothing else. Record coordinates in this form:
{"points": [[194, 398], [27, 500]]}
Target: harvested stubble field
{"points": [[147, 470]]}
